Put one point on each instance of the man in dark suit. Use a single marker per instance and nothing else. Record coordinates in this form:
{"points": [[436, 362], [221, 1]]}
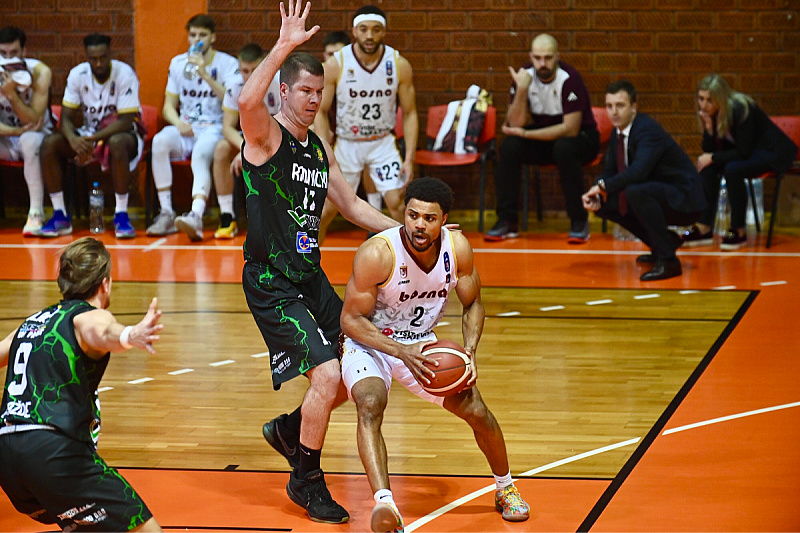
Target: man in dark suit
{"points": [[647, 183]]}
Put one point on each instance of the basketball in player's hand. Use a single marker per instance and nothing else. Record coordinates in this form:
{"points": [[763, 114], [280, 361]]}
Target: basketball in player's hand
{"points": [[453, 370]]}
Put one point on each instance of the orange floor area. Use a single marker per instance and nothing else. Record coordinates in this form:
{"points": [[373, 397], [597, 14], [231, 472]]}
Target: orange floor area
{"points": [[737, 470]]}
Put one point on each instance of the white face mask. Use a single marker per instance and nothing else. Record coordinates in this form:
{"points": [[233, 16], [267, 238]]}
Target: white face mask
{"points": [[18, 71]]}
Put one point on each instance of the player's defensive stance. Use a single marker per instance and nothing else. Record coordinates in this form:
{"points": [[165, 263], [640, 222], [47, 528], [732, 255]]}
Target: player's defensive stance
{"points": [[388, 324], [49, 466]]}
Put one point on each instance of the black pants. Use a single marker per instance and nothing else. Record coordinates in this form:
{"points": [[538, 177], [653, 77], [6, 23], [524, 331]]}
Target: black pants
{"points": [[569, 154], [735, 173], [648, 216]]}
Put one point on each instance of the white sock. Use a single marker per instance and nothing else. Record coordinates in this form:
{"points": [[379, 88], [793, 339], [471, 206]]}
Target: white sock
{"points": [[383, 496], [198, 206], [503, 481], [57, 199], [122, 203], [165, 200], [225, 203], [375, 200]]}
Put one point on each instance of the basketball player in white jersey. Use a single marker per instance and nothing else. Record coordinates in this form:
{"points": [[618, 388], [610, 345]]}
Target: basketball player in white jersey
{"points": [[396, 295], [24, 117], [193, 109], [367, 79], [227, 154], [104, 93]]}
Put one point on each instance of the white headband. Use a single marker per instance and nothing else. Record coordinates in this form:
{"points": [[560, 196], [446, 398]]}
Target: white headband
{"points": [[369, 17]]}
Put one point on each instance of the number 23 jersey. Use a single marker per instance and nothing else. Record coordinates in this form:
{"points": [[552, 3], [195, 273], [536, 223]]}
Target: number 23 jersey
{"points": [[366, 101], [413, 300]]}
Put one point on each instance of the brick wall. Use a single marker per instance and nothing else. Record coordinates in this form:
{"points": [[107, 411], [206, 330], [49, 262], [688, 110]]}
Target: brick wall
{"points": [[663, 46]]}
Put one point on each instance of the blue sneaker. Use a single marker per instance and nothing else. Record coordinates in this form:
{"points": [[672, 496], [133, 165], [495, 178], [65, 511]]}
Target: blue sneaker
{"points": [[123, 229], [60, 224]]}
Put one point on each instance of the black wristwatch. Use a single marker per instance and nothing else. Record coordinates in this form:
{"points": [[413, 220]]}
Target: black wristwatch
{"points": [[602, 184]]}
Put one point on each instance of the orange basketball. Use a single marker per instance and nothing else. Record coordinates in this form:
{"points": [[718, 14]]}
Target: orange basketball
{"points": [[453, 370]]}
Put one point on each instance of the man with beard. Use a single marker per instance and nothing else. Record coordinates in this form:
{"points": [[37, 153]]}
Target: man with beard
{"points": [[387, 329], [549, 122], [366, 80]]}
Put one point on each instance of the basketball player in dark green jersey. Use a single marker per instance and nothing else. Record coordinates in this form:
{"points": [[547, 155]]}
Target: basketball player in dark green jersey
{"points": [[289, 172], [49, 466]]}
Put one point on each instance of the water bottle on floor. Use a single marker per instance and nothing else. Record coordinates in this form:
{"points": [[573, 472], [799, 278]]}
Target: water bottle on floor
{"points": [[723, 209], [190, 70], [96, 204]]}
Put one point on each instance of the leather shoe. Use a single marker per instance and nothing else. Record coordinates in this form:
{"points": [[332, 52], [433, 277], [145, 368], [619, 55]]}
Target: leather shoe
{"points": [[663, 269], [646, 259]]}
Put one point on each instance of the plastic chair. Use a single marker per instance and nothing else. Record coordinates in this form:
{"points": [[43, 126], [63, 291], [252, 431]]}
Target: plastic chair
{"points": [[604, 127], [486, 150], [790, 125], [55, 111]]}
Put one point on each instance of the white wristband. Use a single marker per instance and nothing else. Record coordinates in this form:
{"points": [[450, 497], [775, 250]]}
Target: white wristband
{"points": [[124, 337]]}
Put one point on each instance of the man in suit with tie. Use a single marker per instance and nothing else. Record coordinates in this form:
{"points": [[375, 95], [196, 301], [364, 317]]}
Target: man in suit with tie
{"points": [[647, 183]]}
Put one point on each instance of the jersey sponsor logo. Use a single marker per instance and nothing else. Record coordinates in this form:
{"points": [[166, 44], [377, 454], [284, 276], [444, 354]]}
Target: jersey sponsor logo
{"points": [[389, 67], [374, 93], [18, 409], [403, 271], [354, 129], [410, 335], [199, 94], [102, 110], [298, 215], [113, 88], [281, 367], [310, 176], [351, 73], [213, 73], [572, 97], [304, 243], [387, 331], [446, 262], [318, 151], [277, 356], [441, 293]]}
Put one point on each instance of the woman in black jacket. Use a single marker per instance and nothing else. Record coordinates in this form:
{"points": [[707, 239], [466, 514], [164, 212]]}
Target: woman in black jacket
{"points": [[739, 142]]}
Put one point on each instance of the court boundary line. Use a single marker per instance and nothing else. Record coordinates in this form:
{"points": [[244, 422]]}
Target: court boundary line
{"points": [[657, 428]]}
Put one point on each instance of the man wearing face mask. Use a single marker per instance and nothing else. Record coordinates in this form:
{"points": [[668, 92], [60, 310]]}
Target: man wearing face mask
{"points": [[549, 122], [24, 117]]}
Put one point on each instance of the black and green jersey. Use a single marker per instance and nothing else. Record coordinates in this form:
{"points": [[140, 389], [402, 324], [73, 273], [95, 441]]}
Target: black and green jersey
{"points": [[285, 196], [49, 379]]}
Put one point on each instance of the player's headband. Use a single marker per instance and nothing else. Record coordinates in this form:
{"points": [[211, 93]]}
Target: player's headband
{"points": [[369, 17]]}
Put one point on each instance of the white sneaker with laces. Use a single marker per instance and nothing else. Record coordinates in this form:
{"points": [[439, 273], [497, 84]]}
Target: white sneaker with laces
{"points": [[164, 224], [33, 226], [191, 225]]}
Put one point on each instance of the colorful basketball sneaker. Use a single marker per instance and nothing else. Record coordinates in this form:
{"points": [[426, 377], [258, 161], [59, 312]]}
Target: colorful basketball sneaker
{"points": [[33, 226], [59, 224], [510, 503], [227, 227], [386, 518], [123, 229]]}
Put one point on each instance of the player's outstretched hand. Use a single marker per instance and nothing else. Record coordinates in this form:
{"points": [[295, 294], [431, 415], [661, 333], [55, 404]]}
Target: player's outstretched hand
{"points": [[293, 24], [144, 334]]}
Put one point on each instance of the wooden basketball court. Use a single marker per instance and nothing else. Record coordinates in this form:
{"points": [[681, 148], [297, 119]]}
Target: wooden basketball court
{"points": [[626, 406]]}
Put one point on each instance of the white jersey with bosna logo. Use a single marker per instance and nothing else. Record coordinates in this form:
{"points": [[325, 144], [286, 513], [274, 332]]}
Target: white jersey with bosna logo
{"points": [[119, 94], [7, 115], [272, 99], [199, 104], [366, 102], [412, 301]]}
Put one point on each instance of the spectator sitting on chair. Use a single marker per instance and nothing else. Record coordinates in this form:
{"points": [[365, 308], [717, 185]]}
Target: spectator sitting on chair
{"points": [[739, 142], [24, 117], [647, 183], [549, 121], [227, 154], [193, 131], [106, 92]]}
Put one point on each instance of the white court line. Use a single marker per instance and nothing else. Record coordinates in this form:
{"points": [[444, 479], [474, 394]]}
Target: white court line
{"points": [[480, 492], [724, 288], [731, 417], [155, 245], [104, 389], [140, 381], [509, 313], [771, 283], [181, 371], [259, 355], [646, 296], [600, 302], [551, 308], [222, 363], [443, 323], [689, 291]]}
